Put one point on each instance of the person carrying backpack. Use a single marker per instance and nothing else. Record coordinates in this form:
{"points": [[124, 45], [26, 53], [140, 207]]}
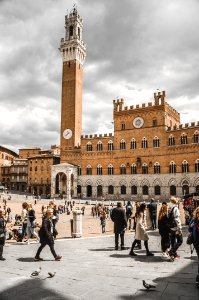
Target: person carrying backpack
{"points": [[175, 229]]}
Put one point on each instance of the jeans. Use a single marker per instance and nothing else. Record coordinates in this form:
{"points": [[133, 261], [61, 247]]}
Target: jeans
{"points": [[176, 242], [51, 245]]}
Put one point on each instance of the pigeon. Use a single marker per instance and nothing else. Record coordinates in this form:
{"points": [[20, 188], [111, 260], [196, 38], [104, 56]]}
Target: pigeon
{"points": [[36, 273], [51, 274], [148, 286]]}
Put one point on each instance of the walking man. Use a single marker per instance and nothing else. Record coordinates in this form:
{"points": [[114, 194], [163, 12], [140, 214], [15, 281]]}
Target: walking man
{"points": [[118, 216], [153, 213]]}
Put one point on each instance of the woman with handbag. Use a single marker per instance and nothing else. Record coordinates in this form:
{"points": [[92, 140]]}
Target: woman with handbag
{"points": [[194, 228], [31, 224]]}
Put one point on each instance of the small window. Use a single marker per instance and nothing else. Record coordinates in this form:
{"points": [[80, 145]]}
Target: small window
{"points": [[71, 31]]}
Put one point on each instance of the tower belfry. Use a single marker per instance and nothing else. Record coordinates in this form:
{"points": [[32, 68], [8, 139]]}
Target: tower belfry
{"points": [[73, 51]]}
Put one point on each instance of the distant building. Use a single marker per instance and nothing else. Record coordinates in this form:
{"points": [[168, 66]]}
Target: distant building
{"points": [[149, 154]]}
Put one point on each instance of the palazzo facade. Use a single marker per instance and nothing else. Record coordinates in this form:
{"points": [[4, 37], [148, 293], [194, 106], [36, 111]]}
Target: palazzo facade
{"points": [[149, 154]]}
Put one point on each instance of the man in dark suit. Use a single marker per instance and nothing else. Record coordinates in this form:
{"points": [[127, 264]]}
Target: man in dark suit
{"points": [[118, 216]]}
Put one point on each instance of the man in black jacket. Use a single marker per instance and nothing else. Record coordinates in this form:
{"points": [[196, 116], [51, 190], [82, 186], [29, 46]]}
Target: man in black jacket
{"points": [[46, 236], [153, 213], [118, 216]]}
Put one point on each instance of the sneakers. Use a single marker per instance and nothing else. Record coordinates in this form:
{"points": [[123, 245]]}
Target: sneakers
{"points": [[149, 253], [38, 259], [165, 255], [58, 258], [132, 253]]}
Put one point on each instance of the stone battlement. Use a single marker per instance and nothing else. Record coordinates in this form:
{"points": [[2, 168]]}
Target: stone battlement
{"points": [[100, 135], [184, 126]]}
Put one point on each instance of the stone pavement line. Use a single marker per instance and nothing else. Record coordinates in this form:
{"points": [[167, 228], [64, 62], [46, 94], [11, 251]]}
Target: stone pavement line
{"points": [[92, 269]]}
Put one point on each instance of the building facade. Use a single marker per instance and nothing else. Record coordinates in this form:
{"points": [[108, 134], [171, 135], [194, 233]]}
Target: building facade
{"points": [[149, 154]]}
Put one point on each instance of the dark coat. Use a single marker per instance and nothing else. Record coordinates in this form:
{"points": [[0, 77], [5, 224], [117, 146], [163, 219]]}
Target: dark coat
{"points": [[118, 216], [152, 209], [46, 231], [163, 225]]}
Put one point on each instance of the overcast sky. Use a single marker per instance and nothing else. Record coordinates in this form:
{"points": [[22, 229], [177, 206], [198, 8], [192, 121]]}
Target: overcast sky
{"points": [[134, 47]]}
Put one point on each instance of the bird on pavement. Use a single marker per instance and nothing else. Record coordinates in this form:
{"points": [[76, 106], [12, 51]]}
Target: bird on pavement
{"points": [[51, 274], [148, 286], [36, 273]]}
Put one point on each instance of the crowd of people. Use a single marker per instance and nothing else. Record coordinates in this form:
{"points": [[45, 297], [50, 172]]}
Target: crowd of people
{"points": [[125, 217]]}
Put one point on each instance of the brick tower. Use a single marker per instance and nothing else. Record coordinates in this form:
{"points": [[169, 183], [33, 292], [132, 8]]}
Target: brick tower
{"points": [[73, 51]]}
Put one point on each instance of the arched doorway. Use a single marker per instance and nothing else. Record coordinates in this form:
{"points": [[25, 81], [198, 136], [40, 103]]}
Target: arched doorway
{"points": [[185, 189], [99, 190], [60, 183], [89, 190]]}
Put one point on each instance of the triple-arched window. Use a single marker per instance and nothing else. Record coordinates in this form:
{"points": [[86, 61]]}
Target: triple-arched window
{"points": [[185, 166], [183, 139], [123, 169], [156, 142], [110, 170], [99, 146], [144, 143], [122, 144]]}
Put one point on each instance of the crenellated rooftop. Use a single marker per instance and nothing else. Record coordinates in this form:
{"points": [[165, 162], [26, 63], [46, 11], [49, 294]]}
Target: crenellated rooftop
{"points": [[184, 126], [91, 136], [159, 100]]}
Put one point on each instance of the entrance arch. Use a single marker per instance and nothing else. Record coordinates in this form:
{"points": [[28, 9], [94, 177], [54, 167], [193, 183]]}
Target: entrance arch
{"points": [[89, 190], [60, 183], [99, 190]]}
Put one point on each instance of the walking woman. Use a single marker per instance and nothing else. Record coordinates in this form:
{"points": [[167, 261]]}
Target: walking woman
{"points": [[2, 234], [46, 236], [194, 227], [164, 229], [141, 234]]}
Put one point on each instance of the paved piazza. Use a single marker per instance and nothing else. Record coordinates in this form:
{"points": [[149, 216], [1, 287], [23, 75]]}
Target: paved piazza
{"points": [[91, 269]]}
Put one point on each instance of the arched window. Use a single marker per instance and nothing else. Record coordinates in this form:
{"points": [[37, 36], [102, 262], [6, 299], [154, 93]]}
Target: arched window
{"points": [[197, 165], [172, 167], [157, 190], [110, 170], [110, 190], [78, 33], [156, 168], [145, 190], [133, 169], [183, 139], [99, 146], [99, 170], [144, 143], [185, 166], [196, 137], [133, 190], [173, 190], [122, 169], [144, 168], [36, 169], [89, 190], [122, 145], [110, 145], [154, 122], [171, 140], [156, 142], [89, 146], [123, 190], [89, 170], [133, 144], [79, 171], [123, 126]]}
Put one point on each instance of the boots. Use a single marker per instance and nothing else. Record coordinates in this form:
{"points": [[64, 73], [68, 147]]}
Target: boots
{"points": [[132, 253], [148, 253]]}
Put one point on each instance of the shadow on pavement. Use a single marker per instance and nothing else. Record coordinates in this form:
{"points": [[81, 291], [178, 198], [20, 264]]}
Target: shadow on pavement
{"points": [[34, 289]]}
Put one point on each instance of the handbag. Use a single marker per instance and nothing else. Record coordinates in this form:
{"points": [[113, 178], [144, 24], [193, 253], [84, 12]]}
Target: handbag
{"points": [[190, 238]]}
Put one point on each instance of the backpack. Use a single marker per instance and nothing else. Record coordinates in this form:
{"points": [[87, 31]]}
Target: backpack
{"points": [[171, 219]]}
